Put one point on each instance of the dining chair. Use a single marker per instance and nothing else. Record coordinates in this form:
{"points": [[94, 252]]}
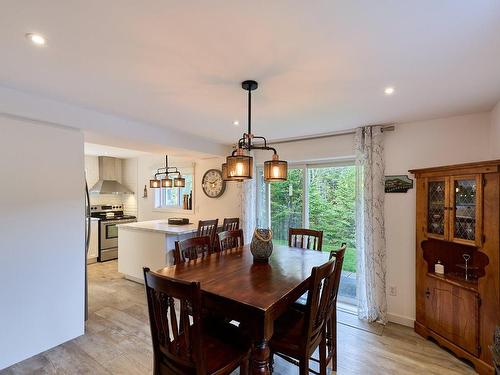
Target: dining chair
{"points": [[331, 325], [192, 248], [208, 228], [230, 239], [297, 334], [305, 238], [231, 223], [187, 345]]}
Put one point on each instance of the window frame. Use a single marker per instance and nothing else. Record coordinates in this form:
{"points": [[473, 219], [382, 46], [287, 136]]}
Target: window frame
{"points": [[158, 196], [305, 166]]}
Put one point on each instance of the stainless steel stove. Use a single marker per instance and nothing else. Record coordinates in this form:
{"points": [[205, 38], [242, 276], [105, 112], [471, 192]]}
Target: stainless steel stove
{"points": [[109, 217]]}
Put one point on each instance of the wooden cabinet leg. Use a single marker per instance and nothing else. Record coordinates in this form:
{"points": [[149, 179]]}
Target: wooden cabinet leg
{"points": [[260, 358]]}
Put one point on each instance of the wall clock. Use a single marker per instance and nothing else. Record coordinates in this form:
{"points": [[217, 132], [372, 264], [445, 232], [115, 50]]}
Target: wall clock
{"points": [[213, 184]]}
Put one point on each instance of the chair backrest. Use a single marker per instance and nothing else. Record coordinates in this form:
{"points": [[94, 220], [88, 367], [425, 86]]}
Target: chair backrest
{"points": [[305, 238], [231, 223], [338, 256], [318, 303], [230, 239], [208, 228], [192, 248], [177, 344]]}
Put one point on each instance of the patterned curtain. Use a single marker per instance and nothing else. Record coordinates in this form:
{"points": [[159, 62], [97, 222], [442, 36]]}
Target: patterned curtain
{"points": [[249, 206], [370, 230]]}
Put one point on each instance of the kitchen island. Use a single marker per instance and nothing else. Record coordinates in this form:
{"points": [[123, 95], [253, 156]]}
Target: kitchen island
{"points": [[148, 244]]}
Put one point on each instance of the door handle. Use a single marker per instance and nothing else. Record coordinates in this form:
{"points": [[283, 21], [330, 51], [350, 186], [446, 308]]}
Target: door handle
{"points": [[427, 293]]}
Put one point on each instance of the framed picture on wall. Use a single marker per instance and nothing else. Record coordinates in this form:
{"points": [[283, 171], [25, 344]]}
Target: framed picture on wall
{"points": [[398, 184]]}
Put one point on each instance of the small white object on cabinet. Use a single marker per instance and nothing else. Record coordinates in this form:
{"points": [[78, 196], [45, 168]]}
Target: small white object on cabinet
{"points": [[439, 268]]}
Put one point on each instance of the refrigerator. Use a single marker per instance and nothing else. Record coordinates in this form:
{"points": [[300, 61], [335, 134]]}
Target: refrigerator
{"points": [[87, 240]]}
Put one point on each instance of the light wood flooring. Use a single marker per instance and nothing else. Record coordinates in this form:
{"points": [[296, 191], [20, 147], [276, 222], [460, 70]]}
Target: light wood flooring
{"points": [[117, 341]]}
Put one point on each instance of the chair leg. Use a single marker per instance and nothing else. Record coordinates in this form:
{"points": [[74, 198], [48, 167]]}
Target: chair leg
{"points": [[322, 354], [304, 366], [333, 338], [244, 366]]}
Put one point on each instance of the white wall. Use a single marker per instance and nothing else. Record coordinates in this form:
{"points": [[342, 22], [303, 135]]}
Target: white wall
{"points": [[495, 131], [228, 205], [129, 177], [315, 150], [417, 145], [41, 238], [412, 145]]}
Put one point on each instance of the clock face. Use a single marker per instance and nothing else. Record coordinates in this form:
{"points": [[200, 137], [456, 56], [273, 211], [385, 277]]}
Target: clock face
{"points": [[213, 184]]}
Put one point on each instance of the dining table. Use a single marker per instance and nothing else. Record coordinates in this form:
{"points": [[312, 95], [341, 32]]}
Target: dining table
{"points": [[250, 292]]}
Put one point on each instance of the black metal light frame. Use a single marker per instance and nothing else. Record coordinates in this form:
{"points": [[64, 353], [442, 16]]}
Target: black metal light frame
{"points": [[245, 142], [178, 181]]}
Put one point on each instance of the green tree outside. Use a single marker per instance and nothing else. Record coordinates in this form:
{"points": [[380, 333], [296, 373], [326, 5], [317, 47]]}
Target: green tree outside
{"points": [[331, 207]]}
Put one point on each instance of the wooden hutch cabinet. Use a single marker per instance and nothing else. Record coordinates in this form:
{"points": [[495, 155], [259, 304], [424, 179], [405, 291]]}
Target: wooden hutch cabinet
{"points": [[457, 224]]}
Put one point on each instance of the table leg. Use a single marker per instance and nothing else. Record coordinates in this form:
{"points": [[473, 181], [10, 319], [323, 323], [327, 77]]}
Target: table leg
{"points": [[260, 358]]}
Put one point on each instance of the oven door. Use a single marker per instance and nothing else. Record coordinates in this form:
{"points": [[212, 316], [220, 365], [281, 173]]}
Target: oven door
{"points": [[109, 235]]}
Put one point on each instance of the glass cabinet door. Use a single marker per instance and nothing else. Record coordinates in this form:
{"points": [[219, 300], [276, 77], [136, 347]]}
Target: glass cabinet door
{"points": [[465, 209], [437, 200]]}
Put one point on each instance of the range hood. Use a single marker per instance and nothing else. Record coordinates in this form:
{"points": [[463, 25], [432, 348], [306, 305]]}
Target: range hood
{"points": [[110, 171]]}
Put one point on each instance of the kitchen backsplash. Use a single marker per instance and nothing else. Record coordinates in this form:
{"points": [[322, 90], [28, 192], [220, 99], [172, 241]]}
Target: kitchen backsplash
{"points": [[129, 177]]}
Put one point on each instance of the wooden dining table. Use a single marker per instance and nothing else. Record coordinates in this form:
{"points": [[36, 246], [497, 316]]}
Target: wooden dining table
{"points": [[255, 294]]}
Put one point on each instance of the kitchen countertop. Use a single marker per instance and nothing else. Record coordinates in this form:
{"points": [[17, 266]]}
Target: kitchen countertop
{"points": [[160, 226]]}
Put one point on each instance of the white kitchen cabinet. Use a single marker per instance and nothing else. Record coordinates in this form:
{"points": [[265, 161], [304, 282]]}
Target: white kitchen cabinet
{"points": [[94, 241]]}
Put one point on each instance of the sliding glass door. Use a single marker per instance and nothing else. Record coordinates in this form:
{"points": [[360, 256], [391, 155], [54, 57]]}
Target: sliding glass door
{"points": [[321, 197]]}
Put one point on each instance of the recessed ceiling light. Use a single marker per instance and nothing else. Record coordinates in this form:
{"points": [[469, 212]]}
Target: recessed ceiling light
{"points": [[389, 90], [36, 39], [236, 123]]}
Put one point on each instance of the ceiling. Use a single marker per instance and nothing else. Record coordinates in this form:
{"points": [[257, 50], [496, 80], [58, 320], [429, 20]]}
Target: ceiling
{"points": [[322, 66], [93, 149]]}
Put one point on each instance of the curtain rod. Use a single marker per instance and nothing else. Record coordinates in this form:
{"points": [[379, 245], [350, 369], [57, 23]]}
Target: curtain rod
{"points": [[385, 128]]}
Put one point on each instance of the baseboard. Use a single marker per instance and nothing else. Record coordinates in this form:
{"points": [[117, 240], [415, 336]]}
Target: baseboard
{"points": [[393, 318], [403, 320], [134, 279]]}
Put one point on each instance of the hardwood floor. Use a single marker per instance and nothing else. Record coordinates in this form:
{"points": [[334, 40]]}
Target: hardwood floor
{"points": [[117, 341]]}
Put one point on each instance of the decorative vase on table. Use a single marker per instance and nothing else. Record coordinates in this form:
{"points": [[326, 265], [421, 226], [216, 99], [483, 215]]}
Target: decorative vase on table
{"points": [[262, 245]]}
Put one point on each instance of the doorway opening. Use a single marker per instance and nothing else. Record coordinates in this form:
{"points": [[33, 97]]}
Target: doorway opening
{"points": [[315, 196]]}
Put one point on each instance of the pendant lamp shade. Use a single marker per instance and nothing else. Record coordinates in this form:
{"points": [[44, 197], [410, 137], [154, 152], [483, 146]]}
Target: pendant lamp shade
{"points": [[166, 182], [239, 166], [226, 177], [179, 182], [275, 170], [155, 184]]}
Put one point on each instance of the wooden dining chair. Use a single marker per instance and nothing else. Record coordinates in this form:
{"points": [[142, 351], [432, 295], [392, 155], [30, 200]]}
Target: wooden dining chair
{"points": [[305, 238], [331, 325], [231, 223], [208, 228], [184, 345], [297, 334], [230, 239], [192, 248]]}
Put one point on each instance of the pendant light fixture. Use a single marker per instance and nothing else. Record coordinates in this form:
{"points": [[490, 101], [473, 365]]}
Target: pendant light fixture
{"points": [[239, 165], [166, 181]]}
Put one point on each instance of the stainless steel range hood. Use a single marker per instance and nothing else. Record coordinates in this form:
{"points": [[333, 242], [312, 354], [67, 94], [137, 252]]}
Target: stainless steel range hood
{"points": [[109, 174]]}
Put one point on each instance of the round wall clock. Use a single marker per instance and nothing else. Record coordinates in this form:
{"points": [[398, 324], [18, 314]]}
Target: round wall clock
{"points": [[213, 184]]}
